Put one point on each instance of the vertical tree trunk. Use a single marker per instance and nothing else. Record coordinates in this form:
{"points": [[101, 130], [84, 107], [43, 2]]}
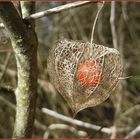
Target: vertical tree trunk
{"points": [[24, 44]]}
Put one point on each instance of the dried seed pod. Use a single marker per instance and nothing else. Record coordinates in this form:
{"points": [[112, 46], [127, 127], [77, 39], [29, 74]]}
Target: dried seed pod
{"points": [[84, 80]]}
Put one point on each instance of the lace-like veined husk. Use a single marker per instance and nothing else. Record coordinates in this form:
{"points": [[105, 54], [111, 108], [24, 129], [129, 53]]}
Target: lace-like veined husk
{"points": [[63, 61]]}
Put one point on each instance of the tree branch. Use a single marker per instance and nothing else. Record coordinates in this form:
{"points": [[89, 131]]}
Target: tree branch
{"points": [[133, 133], [52, 10], [57, 9], [76, 122], [27, 9], [24, 44]]}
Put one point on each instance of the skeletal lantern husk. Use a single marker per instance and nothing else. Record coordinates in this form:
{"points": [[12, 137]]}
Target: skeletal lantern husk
{"points": [[63, 62]]}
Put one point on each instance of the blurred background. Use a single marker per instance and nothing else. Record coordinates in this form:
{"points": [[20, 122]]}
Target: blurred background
{"points": [[120, 113]]}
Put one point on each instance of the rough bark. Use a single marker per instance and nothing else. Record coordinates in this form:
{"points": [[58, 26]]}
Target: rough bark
{"points": [[24, 44]]}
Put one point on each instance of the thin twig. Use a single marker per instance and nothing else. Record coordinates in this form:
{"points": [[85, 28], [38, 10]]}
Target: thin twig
{"points": [[124, 11], [123, 78], [6, 89], [57, 9], [13, 107], [40, 125], [64, 127], [95, 21], [54, 10], [76, 122], [5, 65], [114, 132], [128, 24], [133, 133], [10, 72], [112, 22], [8, 103]]}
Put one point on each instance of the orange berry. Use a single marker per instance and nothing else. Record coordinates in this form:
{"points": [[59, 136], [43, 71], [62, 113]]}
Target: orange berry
{"points": [[89, 73]]}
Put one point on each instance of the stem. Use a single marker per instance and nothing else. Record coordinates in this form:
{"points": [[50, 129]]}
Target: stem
{"points": [[95, 21]]}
